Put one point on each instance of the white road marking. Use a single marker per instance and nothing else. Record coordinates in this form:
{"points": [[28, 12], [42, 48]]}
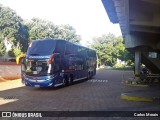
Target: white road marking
{"points": [[97, 80]]}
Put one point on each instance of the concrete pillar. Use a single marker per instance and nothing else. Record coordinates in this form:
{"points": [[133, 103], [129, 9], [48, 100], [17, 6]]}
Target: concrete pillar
{"points": [[137, 64]]}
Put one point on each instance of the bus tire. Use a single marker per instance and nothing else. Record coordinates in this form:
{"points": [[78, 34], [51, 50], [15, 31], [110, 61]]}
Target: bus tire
{"points": [[91, 75], [71, 79], [65, 80], [88, 76]]}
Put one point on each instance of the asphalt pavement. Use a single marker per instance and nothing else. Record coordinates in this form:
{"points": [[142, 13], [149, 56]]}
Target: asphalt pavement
{"points": [[100, 94]]}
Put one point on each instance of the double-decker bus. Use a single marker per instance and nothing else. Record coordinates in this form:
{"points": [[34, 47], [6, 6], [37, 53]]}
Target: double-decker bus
{"points": [[54, 62]]}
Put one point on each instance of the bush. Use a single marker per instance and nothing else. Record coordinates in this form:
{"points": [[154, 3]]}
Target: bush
{"points": [[14, 52], [2, 48]]}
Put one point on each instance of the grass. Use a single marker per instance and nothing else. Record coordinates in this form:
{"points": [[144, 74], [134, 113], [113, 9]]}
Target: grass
{"points": [[120, 68]]}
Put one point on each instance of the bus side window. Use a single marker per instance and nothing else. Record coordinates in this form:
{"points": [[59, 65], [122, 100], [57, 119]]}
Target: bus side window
{"points": [[71, 60]]}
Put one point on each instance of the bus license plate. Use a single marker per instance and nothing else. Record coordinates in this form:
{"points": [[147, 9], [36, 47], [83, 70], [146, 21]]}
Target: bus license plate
{"points": [[36, 85]]}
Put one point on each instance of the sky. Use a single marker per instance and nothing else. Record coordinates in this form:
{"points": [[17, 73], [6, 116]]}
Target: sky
{"points": [[88, 17]]}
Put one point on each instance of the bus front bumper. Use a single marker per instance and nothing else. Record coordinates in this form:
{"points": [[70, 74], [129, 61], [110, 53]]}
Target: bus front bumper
{"points": [[38, 82]]}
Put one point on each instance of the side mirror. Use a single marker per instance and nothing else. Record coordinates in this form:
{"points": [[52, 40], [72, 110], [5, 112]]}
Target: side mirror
{"points": [[22, 60]]}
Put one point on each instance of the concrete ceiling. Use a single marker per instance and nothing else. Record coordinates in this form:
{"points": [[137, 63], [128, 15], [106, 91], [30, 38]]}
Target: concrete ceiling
{"points": [[138, 17]]}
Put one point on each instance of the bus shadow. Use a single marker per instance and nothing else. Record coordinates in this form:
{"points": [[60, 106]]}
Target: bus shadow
{"points": [[11, 98], [62, 86], [22, 98]]}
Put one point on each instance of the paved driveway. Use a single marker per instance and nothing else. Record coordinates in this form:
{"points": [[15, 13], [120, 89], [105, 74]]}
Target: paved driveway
{"points": [[102, 93]]}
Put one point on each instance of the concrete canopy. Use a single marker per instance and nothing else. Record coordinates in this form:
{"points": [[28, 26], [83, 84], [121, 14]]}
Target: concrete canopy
{"points": [[138, 19]]}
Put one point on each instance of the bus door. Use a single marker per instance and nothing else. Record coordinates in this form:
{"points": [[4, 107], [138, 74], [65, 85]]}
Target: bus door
{"points": [[23, 68], [57, 69]]}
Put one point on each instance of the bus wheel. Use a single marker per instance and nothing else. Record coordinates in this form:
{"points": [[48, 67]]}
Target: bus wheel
{"points": [[65, 81], [71, 79], [88, 76], [91, 75]]}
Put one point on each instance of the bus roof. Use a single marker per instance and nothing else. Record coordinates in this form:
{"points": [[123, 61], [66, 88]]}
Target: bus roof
{"points": [[43, 47]]}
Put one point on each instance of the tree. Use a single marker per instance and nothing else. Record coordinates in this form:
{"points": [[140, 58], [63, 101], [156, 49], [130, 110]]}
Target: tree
{"points": [[118, 47], [109, 48], [15, 51], [2, 46], [127, 56], [69, 33], [22, 37], [41, 29], [20, 34], [104, 48], [12, 28]]}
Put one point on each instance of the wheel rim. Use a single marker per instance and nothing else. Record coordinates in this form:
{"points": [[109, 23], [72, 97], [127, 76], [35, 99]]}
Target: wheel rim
{"points": [[64, 82], [69, 80]]}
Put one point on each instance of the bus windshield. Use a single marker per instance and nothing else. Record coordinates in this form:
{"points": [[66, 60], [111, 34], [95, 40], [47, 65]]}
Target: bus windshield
{"points": [[41, 47], [35, 67]]}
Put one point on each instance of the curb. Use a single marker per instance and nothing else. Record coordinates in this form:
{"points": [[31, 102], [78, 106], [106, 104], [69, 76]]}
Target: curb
{"points": [[135, 85], [135, 98]]}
